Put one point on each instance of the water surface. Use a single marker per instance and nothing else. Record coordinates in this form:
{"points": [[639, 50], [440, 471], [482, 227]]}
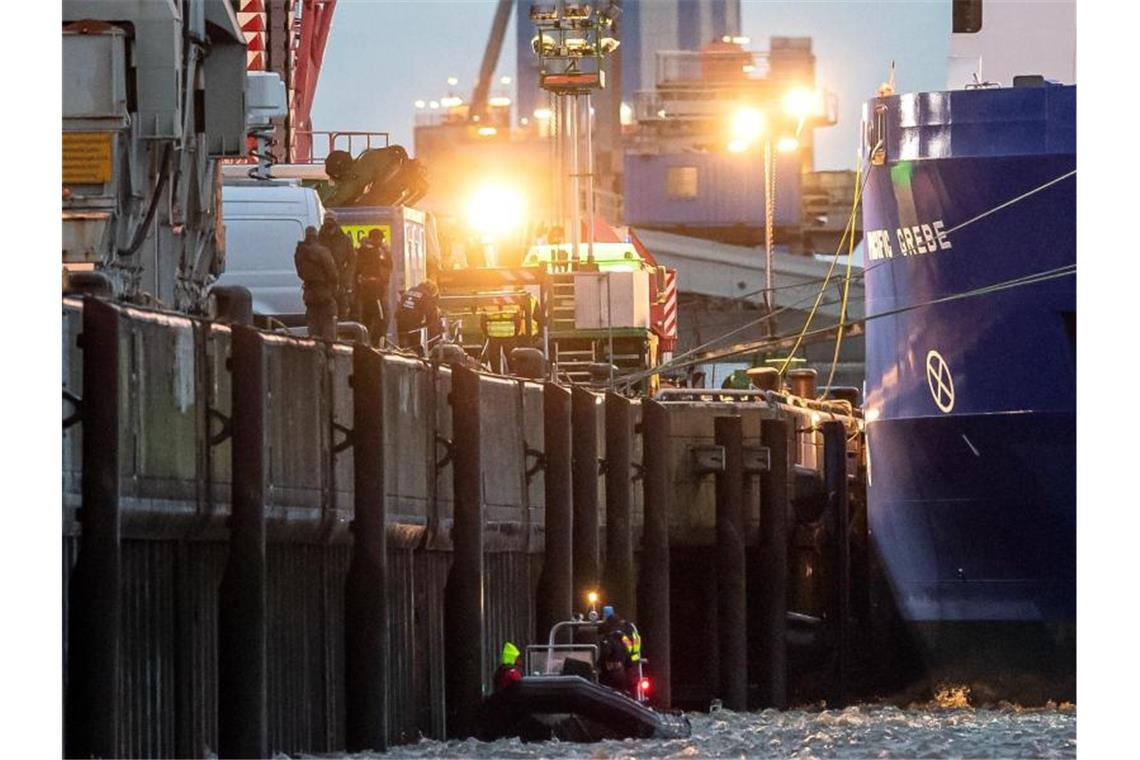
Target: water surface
{"points": [[864, 731]]}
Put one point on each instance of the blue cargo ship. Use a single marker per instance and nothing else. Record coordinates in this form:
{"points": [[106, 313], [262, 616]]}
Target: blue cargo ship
{"points": [[969, 217]]}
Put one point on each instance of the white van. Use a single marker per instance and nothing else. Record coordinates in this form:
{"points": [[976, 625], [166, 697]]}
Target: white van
{"points": [[264, 222]]}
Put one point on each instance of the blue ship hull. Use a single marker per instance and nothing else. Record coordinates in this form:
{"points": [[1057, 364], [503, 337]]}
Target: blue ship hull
{"points": [[971, 403]]}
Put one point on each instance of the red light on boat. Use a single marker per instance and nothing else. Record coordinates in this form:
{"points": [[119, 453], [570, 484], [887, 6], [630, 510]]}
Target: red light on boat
{"points": [[644, 685]]}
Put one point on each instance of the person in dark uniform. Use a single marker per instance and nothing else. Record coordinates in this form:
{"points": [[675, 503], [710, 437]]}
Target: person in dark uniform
{"points": [[320, 280], [344, 254], [419, 307], [373, 273], [619, 651]]}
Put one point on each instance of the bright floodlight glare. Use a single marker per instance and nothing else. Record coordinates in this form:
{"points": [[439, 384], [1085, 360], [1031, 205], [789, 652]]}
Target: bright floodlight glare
{"points": [[787, 144], [747, 124], [800, 102], [488, 131], [543, 114], [737, 146], [453, 81], [433, 104], [499, 101], [421, 104], [450, 101], [748, 68], [592, 597], [742, 40], [626, 114], [505, 80], [496, 210]]}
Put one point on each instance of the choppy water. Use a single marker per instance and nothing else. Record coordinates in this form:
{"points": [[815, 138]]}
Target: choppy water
{"points": [[864, 731]]}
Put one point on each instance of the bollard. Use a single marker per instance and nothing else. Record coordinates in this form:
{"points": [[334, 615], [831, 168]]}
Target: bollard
{"points": [[366, 587], [802, 382], [618, 580], [653, 588], [232, 304], [242, 695], [771, 640], [585, 471], [732, 653], [92, 716], [838, 529], [555, 601], [463, 614]]}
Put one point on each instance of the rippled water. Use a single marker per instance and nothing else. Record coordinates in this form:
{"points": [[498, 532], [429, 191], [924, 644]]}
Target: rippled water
{"points": [[864, 731]]}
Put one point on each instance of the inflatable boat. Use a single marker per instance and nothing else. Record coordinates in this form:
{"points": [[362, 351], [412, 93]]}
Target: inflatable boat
{"points": [[559, 698]]}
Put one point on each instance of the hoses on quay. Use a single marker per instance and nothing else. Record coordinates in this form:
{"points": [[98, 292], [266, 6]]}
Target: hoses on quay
{"points": [[848, 235], [754, 346], [846, 288]]}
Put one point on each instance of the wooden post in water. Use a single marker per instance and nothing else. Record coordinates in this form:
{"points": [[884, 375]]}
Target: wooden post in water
{"points": [[464, 622], [732, 617], [618, 581], [91, 719], [773, 559], [585, 467], [366, 587], [839, 553], [653, 583], [555, 600], [242, 696]]}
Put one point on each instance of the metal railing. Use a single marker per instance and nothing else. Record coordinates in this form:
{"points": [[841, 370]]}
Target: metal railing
{"points": [[353, 141]]}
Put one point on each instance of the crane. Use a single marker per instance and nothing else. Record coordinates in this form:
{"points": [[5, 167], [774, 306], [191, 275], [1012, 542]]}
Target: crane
{"points": [[490, 59], [289, 37]]}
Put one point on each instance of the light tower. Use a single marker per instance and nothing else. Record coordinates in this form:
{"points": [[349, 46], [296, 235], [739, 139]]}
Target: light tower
{"points": [[571, 44]]}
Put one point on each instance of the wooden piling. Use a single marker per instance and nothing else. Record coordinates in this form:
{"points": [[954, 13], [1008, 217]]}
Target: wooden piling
{"points": [[653, 580], [242, 696], [92, 700], [555, 600], [585, 472], [839, 553], [731, 626], [618, 580], [464, 615], [366, 587], [773, 570]]}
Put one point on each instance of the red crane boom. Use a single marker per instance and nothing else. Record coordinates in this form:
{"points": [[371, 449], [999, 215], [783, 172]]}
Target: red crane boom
{"points": [[289, 37]]}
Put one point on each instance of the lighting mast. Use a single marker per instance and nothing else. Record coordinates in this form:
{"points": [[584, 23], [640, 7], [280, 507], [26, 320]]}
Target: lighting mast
{"points": [[571, 44]]}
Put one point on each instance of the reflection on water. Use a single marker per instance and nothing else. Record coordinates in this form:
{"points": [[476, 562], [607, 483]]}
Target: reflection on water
{"points": [[864, 731]]}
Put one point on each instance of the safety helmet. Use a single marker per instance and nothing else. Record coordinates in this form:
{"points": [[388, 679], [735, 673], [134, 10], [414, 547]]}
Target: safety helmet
{"points": [[607, 612], [510, 653]]}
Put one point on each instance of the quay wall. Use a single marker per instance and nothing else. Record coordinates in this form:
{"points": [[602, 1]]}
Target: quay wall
{"points": [[157, 565]]}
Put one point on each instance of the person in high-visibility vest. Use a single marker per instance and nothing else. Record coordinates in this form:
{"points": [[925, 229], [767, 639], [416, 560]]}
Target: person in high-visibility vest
{"points": [[620, 647], [508, 671]]}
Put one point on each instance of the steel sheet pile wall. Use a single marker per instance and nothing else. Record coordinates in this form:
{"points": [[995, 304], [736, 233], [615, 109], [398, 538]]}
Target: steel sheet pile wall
{"points": [[692, 532], [208, 601]]}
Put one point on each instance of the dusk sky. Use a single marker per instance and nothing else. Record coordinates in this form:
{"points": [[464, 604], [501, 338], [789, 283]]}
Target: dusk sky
{"points": [[383, 55]]}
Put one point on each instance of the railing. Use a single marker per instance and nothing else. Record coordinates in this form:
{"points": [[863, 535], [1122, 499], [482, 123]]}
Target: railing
{"points": [[684, 66], [354, 142]]}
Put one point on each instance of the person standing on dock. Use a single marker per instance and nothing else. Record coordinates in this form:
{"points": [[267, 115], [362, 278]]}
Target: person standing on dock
{"points": [[373, 273], [509, 671], [319, 277], [343, 253], [419, 308]]}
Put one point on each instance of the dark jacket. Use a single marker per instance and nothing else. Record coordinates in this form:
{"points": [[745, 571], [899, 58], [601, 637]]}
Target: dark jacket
{"points": [[340, 245], [373, 268], [419, 308], [317, 270]]}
